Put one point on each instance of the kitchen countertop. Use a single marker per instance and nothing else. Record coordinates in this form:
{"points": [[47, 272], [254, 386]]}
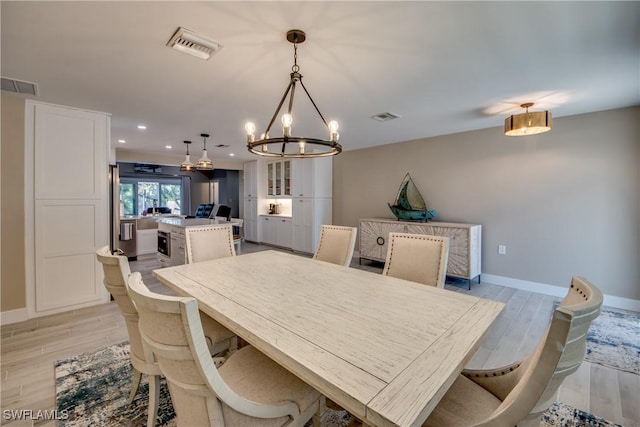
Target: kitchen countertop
{"points": [[276, 215], [190, 222], [148, 217]]}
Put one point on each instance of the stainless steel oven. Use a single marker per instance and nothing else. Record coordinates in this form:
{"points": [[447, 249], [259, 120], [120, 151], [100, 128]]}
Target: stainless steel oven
{"points": [[164, 243]]}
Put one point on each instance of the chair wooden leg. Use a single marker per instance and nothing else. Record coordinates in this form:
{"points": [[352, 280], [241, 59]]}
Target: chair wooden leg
{"points": [[316, 420], [154, 399], [137, 376]]}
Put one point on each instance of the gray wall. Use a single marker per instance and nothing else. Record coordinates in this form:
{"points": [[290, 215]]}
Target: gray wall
{"points": [[565, 203]]}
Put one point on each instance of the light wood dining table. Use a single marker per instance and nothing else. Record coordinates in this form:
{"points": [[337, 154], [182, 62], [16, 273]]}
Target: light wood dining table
{"points": [[383, 348]]}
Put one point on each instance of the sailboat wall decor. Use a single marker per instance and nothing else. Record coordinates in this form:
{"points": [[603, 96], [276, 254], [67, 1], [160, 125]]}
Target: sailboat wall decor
{"points": [[409, 204]]}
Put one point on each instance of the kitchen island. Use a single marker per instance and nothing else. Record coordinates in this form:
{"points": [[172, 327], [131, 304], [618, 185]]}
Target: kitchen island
{"points": [[171, 241]]}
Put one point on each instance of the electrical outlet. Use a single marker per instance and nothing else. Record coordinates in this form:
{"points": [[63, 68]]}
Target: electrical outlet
{"points": [[502, 249]]}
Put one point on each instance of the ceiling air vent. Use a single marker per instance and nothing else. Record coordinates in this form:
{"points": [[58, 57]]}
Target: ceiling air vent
{"points": [[189, 42], [222, 145], [384, 117], [19, 86]]}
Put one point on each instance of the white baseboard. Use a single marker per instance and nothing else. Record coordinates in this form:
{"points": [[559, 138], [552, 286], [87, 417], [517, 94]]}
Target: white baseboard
{"points": [[557, 291], [13, 316]]}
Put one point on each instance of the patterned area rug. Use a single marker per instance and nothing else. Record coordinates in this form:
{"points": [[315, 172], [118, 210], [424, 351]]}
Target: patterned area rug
{"points": [[614, 341], [93, 388]]}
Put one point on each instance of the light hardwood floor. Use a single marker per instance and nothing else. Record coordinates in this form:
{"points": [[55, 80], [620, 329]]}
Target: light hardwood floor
{"points": [[29, 349]]}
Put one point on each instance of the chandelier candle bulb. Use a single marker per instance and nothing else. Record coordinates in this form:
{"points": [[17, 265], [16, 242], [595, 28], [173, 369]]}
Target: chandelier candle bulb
{"points": [[287, 120], [333, 131], [250, 128], [301, 146]]}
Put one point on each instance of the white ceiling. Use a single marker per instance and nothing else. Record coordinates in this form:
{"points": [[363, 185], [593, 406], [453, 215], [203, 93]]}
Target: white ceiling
{"points": [[444, 67]]}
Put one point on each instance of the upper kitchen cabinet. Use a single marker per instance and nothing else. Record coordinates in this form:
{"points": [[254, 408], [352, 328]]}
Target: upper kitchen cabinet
{"points": [[312, 177], [278, 178], [251, 179]]}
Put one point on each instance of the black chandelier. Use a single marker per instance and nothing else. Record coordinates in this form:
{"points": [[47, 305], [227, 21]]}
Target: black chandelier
{"points": [[288, 145]]}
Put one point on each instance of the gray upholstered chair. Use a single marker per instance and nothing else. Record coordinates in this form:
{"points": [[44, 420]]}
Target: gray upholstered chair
{"points": [[116, 270], [520, 393], [209, 242], [336, 244], [418, 258], [249, 389]]}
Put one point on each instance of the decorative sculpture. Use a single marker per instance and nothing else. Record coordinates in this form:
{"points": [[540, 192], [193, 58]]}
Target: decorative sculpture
{"points": [[409, 204]]}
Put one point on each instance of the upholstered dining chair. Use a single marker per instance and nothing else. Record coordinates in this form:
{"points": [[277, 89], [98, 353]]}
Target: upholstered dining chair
{"points": [[116, 270], [249, 389], [418, 258], [336, 244], [209, 242], [520, 393]]}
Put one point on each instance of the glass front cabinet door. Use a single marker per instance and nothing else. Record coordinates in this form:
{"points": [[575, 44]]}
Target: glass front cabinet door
{"points": [[279, 178]]}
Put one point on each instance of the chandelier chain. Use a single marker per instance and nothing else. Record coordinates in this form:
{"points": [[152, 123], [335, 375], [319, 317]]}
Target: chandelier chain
{"points": [[295, 68]]}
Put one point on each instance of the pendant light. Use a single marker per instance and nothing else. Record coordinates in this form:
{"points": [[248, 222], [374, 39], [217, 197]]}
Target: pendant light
{"points": [[527, 123], [204, 164], [288, 145], [187, 165]]}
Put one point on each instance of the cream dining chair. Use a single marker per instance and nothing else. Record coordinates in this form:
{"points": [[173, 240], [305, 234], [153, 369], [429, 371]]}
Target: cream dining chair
{"points": [[249, 389], [209, 242], [418, 258], [116, 270], [336, 244], [206, 243], [520, 393]]}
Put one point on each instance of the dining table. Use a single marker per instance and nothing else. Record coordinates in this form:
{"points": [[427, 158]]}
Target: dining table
{"points": [[383, 348]]}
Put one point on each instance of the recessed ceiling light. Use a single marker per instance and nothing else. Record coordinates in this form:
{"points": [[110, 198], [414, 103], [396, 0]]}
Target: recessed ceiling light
{"points": [[231, 154], [168, 147], [121, 141], [142, 127]]}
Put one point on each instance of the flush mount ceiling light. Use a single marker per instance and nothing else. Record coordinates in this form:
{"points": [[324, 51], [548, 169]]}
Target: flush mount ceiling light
{"points": [[288, 145], [527, 123], [189, 42], [204, 164], [187, 165]]}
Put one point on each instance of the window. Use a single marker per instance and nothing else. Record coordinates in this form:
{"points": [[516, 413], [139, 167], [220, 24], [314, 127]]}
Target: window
{"points": [[138, 195]]}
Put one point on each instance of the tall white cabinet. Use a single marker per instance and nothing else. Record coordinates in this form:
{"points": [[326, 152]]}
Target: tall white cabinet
{"points": [[251, 201], [303, 188], [66, 206], [312, 202]]}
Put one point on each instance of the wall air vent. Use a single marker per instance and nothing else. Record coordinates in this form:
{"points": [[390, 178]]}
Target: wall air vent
{"points": [[384, 117], [19, 86], [189, 42]]}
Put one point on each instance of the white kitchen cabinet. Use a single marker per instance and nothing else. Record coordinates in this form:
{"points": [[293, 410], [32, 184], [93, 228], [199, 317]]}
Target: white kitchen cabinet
{"points": [[251, 219], [251, 179], [308, 214], [464, 242], [278, 178], [66, 206], [312, 177], [251, 198], [276, 230], [147, 242]]}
